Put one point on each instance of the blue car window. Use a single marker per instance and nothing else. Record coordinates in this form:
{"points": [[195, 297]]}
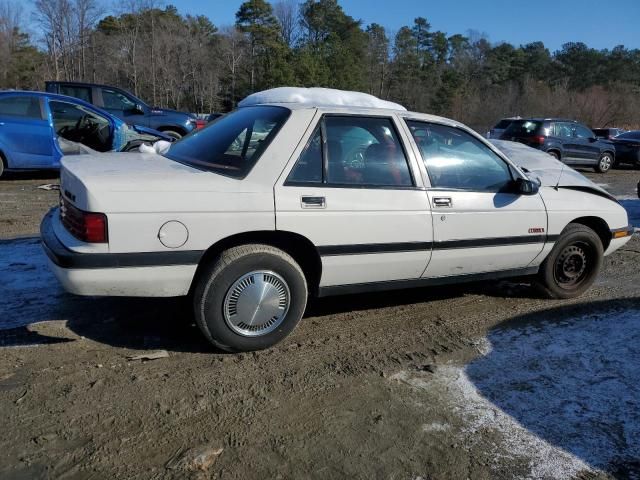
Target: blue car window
{"points": [[21, 106]]}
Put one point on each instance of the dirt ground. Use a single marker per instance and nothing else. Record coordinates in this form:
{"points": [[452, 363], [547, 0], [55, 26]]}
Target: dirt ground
{"points": [[392, 385]]}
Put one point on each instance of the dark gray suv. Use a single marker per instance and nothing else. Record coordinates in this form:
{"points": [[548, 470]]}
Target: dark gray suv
{"points": [[128, 107], [567, 140]]}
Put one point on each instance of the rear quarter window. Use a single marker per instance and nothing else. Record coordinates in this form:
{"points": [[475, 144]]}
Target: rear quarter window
{"points": [[523, 128], [233, 144]]}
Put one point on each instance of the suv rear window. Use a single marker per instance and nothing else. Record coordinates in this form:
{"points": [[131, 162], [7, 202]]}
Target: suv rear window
{"points": [[523, 128], [233, 144], [502, 124]]}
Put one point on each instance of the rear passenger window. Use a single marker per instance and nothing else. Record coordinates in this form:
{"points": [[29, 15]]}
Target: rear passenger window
{"points": [[308, 169], [456, 160], [359, 152], [24, 106], [83, 93]]}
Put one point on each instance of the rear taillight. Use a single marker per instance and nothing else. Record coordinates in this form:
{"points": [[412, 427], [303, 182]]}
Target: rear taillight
{"points": [[200, 123], [88, 227], [537, 139]]}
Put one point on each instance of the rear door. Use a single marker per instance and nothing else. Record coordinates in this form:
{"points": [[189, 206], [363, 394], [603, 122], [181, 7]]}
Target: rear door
{"points": [[480, 225], [352, 188], [26, 137]]}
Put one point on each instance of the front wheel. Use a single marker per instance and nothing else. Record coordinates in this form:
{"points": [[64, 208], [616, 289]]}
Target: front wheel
{"points": [[573, 264], [173, 134], [604, 163], [250, 298]]}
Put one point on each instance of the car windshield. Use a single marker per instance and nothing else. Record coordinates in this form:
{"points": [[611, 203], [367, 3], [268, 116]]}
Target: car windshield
{"points": [[635, 135], [522, 128], [233, 144], [502, 124]]}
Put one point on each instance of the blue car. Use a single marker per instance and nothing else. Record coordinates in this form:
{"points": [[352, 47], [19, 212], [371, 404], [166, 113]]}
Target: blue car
{"points": [[37, 129]]}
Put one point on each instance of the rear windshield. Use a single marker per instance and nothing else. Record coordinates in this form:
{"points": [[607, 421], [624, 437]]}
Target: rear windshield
{"points": [[635, 135], [502, 124], [522, 128], [233, 144]]}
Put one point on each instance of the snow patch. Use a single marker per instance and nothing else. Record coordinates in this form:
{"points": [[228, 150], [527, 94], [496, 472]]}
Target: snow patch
{"points": [[565, 395], [318, 97]]}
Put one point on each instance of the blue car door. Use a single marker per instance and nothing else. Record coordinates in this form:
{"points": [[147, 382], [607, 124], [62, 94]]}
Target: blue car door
{"points": [[26, 136]]}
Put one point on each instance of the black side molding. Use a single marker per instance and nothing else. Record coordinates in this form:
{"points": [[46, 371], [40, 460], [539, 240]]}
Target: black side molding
{"points": [[423, 282], [65, 258]]}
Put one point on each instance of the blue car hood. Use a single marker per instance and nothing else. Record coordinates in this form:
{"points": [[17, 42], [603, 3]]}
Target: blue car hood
{"points": [[151, 131]]}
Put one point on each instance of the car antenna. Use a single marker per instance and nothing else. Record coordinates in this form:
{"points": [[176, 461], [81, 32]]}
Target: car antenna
{"points": [[559, 177]]}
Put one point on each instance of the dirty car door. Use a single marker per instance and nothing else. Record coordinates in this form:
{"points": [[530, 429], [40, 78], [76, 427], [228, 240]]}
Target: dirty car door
{"points": [[352, 191], [480, 224]]}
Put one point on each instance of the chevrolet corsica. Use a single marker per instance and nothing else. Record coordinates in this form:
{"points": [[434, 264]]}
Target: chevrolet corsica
{"points": [[304, 192]]}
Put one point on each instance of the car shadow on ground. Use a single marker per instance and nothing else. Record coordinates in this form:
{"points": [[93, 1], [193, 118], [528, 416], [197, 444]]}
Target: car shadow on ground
{"points": [[571, 375], [32, 295], [31, 175]]}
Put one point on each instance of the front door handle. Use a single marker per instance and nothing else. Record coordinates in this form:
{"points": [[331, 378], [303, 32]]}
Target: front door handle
{"points": [[313, 202], [442, 202]]}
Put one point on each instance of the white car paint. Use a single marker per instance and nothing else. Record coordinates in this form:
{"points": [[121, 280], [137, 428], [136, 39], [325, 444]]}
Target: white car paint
{"points": [[141, 192]]}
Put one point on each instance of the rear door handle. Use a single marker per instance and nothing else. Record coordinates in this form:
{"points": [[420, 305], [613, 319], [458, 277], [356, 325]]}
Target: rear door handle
{"points": [[313, 202], [442, 202]]}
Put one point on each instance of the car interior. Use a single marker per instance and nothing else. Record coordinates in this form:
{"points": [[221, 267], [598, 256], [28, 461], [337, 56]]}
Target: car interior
{"points": [[78, 124]]}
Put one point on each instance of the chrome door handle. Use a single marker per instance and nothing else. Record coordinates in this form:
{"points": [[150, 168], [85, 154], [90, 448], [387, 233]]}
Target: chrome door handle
{"points": [[313, 202], [442, 202]]}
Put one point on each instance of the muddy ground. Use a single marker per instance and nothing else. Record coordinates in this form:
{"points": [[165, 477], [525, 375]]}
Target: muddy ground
{"points": [[476, 381]]}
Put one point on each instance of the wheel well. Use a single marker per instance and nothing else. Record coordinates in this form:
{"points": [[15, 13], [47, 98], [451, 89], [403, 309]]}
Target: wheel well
{"points": [[176, 129], [613, 154], [555, 150], [300, 248], [599, 226]]}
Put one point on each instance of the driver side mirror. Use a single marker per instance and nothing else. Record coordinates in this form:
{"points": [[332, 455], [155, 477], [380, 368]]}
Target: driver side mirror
{"points": [[138, 109], [525, 186], [593, 139]]}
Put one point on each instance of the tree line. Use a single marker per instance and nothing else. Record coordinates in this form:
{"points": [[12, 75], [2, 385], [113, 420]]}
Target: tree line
{"points": [[186, 62]]}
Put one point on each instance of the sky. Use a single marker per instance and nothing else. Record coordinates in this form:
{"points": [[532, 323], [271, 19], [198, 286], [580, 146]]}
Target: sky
{"points": [[598, 23]]}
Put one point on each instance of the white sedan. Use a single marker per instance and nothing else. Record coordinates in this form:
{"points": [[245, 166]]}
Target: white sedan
{"points": [[318, 192]]}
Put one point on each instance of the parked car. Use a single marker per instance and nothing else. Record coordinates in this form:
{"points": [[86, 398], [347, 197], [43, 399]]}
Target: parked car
{"points": [[214, 116], [627, 147], [566, 140], [499, 128], [130, 108], [32, 123], [336, 194], [608, 133]]}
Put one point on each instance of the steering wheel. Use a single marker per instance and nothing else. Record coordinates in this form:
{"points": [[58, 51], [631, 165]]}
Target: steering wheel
{"points": [[82, 120]]}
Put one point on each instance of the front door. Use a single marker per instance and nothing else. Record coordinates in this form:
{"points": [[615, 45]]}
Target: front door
{"points": [[480, 223], [355, 193]]}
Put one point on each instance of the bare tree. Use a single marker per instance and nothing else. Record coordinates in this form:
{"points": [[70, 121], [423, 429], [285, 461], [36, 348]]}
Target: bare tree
{"points": [[287, 12]]}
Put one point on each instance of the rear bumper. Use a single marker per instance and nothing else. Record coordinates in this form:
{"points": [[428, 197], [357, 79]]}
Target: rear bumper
{"points": [[148, 274]]}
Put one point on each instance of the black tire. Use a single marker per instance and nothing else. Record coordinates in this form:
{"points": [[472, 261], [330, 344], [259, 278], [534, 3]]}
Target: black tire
{"points": [[2, 164], [220, 280], [573, 264], [173, 134], [554, 154], [605, 162], [133, 146]]}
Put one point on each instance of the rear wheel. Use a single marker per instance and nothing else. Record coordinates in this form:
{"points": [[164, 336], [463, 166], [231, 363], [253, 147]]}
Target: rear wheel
{"points": [[573, 264], [604, 163], [250, 298], [554, 154], [1, 165]]}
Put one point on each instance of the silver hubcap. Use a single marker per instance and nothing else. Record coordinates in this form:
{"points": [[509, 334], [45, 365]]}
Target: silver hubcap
{"points": [[605, 162], [257, 303]]}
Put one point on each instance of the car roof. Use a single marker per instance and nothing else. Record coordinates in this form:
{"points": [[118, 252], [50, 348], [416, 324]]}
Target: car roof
{"points": [[82, 84], [365, 111], [55, 96], [547, 119]]}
